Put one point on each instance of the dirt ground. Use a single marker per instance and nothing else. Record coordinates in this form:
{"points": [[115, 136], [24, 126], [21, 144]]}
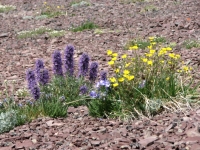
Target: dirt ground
{"points": [[119, 21]]}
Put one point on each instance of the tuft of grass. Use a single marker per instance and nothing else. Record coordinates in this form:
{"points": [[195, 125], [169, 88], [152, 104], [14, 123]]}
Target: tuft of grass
{"points": [[6, 8], [56, 33], [78, 3], [149, 8], [191, 43], [142, 44], [33, 33], [51, 11], [85, 26]]}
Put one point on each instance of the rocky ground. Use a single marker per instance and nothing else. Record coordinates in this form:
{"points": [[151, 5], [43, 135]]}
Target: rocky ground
{"points": [[177, 20]]}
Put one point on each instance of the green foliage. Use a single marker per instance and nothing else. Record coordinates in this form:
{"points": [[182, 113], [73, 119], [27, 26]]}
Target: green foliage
{"points": [[33, 33], [57, 33], [100, 107], [142, 44], [146, 82], [51, 11], [67, 89], [6, 8], [78, 3], [191, 43], [85, 26]]}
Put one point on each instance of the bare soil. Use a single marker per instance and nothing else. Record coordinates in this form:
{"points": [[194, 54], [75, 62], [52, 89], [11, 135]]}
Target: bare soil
{"points": [[176, 20]]}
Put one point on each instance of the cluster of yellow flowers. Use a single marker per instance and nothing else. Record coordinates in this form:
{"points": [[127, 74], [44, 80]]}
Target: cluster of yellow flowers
{"points": [[123, 74], [154, 55]]}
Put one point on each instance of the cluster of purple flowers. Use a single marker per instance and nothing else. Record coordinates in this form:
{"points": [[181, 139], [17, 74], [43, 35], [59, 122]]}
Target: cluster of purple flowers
{"points": [[32, 84], [40, 74], [57, 63], [83, 65], [102, 87], [68, 59]]}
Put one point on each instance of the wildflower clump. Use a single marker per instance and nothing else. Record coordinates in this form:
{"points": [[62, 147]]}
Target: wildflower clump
{"points": [[155, 73]]}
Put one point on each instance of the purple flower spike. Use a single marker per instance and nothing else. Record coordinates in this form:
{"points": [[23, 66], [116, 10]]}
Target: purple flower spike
{"points": [[83, 90], [57, 63], [93, 71], [103, 75], [32, 84], [43, 76], [68, 59], [83, 64], [35, 91], [30, 76], [38, 66]]}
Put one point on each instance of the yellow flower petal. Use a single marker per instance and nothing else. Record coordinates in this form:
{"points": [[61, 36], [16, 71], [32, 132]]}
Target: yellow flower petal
{"points": [[109, 52], [114, 58], [113, 79], [126, 72], [121, 79], [117, 70], [115, 84], [124, 56], [111, 62], [114, 54]]}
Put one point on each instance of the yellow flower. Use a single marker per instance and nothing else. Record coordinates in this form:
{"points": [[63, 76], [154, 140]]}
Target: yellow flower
{"points": [[167, 78], [150, 62], [58, 7], [152, 51], [185, 68], [150, 47], [131, 77], [115, 84], [45, 3], [169, 62], [153, 43], [121, 79], [127, 64], [162, 61], [114, 54], [144, 59], [177, 56], [168, 48], [111, 62], [114, 58], [133, 47], [179, 71], [172, 55], [151, 38], [124, 56], [126, 72], [113, 79], [149, 55], [109, 52], [117, 70]]}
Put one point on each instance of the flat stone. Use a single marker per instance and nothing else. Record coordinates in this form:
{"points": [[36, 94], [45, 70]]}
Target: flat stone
{"points": [[148, 141]]}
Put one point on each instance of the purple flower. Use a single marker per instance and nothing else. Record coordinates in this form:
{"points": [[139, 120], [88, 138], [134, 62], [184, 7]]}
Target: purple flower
{"points": [[35, 91], [93, 71], [30, 76], [93, 94], [83, 64], [83, 89], [105, 83], [32, 84], [38, 66], [103, 75], [57, 63], [68, 59], [43, 76]]}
